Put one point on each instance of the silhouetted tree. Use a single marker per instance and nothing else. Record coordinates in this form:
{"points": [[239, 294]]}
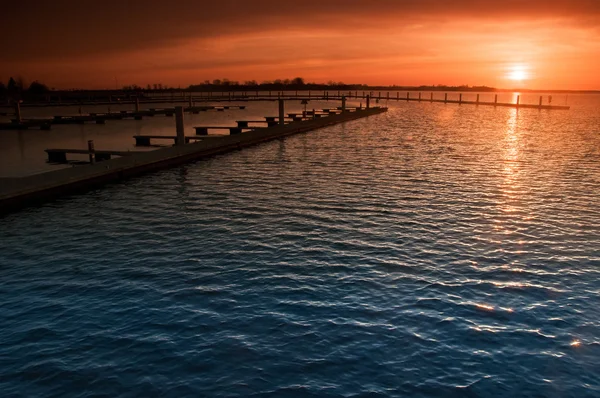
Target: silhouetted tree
{"points": [[37, 88], [12, 84], [298, 81]]}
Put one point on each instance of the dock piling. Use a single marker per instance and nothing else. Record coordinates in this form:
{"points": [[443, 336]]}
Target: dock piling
{"points": [[445, 98], [368, 101], [91, 150], [137, 104], [540, 100], [518, 100], [495, 99], [179, 125], [281, 113], [343, 103], [18, 112]]}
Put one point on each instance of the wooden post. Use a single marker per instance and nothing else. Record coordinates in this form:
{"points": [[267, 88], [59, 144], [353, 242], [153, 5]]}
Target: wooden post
{"points": [[368, 101], [398, 96], [343, 104], [92, 151], [18, 111], [388, 95], [460, 98], [478, 98], [191, 104], [179, 125], [379, 95], [518, 100], [495, 99], [430, 97], [281, 113], [137, 104], [540, 100], [419, 96], [445, 98], [407, 96]]}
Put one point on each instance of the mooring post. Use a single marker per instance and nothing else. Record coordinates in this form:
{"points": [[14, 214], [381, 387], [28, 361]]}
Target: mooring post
{"points": [[540, 100], [281, 113], [379, 97], [368, 101], [18, 111], [430, 97], [495, 99], [398, 96], [407, 96], [388, 95], [518, 99], [478, 98], [191, 104], [419, 96], [445, 98], [179, 125], [137, 104], [460, 98], [91, 151], [343, 104]]}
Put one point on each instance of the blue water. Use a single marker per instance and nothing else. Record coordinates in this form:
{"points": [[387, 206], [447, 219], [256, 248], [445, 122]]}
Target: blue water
{"points": [[434, 251]]}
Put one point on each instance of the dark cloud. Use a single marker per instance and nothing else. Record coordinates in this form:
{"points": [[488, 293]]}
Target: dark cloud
{"points": [[64, 28]]}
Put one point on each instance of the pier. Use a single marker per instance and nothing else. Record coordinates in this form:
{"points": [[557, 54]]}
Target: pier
{"points": [[16, 193], [191, 98]]}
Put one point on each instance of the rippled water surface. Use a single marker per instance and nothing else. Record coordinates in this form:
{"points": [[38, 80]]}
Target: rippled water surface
{"points": [[430, 251]]}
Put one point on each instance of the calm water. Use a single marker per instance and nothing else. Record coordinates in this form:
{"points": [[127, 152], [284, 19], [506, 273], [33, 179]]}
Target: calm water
{"points": [[431, 251]]}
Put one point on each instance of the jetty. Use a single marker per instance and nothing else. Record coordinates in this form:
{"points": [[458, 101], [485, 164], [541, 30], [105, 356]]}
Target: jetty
{"points": [[16, 193]]}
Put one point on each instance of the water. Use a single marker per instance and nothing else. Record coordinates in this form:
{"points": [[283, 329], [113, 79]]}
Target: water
{"points": [[431, 251]]}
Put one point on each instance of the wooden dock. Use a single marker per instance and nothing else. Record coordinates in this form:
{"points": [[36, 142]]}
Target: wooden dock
{"points": [[16, 193], [326, 95]]}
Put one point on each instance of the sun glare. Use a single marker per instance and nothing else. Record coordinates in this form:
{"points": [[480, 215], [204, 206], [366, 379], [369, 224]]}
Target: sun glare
{"points": [[518, 73]]}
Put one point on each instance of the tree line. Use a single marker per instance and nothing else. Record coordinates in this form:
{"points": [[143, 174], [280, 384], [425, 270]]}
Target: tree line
{"points": [[17, 88]]}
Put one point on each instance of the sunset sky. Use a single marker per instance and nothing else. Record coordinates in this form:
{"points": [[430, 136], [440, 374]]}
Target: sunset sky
{"points": [[99, 44]]}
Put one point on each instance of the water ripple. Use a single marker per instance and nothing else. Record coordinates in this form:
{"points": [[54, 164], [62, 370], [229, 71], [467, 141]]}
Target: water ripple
{"points": [[431, 251]]}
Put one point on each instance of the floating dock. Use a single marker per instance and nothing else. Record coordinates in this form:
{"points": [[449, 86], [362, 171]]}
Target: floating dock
{"points": [[101, 118], [17, 193]]}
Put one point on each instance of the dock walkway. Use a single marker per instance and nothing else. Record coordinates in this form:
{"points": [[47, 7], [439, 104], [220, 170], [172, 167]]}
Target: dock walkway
{"points": [[16, 193]]}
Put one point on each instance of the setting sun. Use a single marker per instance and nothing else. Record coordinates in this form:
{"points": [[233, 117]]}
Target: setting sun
{"points": [[518, 73]]}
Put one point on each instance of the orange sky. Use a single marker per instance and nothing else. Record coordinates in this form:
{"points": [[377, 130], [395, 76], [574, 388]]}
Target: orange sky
{"points": [[90, 44]]}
